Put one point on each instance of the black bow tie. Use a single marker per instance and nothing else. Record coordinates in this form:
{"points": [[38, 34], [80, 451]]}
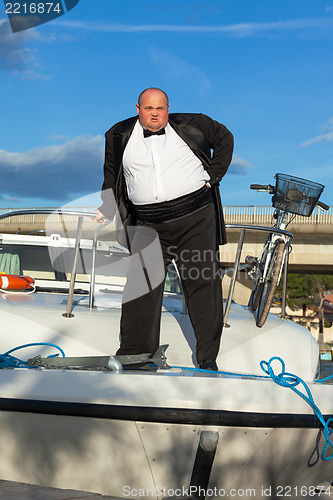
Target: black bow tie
{"points": [[148, 133]]}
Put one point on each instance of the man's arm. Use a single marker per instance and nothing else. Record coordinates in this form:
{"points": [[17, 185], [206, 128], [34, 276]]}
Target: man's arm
{"points": [[108, 207], [221, 142]]}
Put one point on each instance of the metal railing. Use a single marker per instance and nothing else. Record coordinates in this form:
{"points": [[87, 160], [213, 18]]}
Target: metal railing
{"points": [[39, 210], [39, 215]]}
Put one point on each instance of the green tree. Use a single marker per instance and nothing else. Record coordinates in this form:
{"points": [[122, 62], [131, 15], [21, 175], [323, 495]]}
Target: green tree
{"points": [[309, 289]]}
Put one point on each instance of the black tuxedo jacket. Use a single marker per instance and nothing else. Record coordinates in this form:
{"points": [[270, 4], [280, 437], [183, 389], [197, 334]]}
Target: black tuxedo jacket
{"points": [[209, 140]]}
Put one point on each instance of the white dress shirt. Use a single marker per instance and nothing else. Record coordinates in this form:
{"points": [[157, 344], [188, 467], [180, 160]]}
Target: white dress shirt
{"points": [[161, 167]]}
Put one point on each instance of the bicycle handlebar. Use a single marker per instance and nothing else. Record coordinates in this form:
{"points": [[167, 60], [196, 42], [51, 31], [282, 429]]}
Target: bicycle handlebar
{"points": [[322, 205], [263, 187]]}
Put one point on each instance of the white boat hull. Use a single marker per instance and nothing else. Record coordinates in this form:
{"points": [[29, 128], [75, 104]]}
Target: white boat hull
{"points": [[120, 458], [115, 433]]}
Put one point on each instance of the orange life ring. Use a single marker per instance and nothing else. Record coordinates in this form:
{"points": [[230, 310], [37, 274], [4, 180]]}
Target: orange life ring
{"points": [[15, 282]]}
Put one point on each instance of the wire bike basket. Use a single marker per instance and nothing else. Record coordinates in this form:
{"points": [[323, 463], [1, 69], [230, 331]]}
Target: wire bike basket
{"points": [[296, 195]]}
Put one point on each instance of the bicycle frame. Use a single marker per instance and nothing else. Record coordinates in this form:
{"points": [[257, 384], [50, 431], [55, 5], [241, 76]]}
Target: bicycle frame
{"points": [[281, 219]]}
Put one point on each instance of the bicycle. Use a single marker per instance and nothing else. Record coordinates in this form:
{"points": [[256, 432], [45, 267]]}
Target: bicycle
{"points": [[291, 195]]}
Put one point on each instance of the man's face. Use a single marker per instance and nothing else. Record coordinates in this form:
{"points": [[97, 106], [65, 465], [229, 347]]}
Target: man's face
{"points": [[153, 111]]}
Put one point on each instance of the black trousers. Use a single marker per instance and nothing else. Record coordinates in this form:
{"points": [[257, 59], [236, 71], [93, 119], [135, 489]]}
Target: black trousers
{"points": [[191, 241]]}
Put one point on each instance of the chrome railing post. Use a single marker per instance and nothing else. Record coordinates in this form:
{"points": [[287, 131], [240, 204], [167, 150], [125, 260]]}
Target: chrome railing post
{"points": [[180, 286], [233, 278], [93, 264], [93, 272], [285, 282], [68, 313]]}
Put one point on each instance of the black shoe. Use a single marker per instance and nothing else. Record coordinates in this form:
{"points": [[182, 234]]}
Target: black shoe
{"points": [[209, 364]]}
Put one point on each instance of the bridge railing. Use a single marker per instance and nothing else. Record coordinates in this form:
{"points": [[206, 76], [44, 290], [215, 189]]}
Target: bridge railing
{"points": [[233, 214], [39, 217], [256, 214]]}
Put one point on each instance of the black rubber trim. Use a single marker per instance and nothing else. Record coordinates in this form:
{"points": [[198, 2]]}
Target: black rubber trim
{"points": [[163, 415], [203, 462]]}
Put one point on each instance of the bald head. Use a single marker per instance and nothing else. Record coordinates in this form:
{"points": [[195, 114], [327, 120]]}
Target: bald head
{"points": [[153, 109], [153, 89]]}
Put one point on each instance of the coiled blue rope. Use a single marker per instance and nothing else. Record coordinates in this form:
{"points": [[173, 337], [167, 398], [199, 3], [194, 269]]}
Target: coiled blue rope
{"points": [[290, 380], [8, 361]]}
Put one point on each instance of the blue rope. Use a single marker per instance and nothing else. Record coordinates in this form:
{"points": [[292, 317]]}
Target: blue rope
{"points": [[324, 379], [290, 380], [8, 361]]}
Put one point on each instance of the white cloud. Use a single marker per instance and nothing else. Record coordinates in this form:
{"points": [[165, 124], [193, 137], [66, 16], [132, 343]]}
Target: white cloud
{"points": [[319, 24], [326, 137], [14, 55], [175, 68], [320, 138], [58, 172], [239, 166]]}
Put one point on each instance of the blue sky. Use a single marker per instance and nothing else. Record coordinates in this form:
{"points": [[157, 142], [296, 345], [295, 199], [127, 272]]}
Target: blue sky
{"points": [[264, 68]]}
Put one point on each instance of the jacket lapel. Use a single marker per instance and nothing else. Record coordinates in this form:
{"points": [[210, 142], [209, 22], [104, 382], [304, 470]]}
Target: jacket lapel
{"points": [[192, 135]]}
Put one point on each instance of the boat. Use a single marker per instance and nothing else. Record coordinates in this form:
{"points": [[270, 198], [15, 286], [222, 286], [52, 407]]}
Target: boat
{"points": [[152, 426]]}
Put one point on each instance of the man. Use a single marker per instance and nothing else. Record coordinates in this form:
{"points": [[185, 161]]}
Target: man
{"points": [[163, 177]]}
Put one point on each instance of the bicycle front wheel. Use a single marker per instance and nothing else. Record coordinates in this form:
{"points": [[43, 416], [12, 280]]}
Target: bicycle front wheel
{"points": [[258, 283], [270, 283], [256, 295]]}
